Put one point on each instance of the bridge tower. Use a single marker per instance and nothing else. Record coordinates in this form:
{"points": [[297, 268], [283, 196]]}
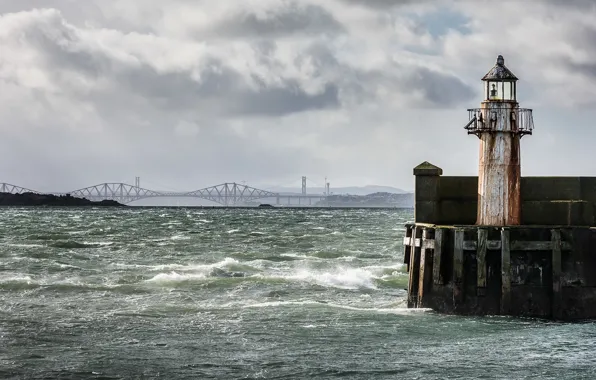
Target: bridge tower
{"points": [[303, 185], [499, 123]]}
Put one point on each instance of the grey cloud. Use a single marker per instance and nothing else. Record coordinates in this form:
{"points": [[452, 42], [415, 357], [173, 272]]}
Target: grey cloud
{"points": [[383, 3], [93, 11], [292, 19], [220, 89], [572, 3], [588, 69], [439, 90], [221, 92], [287, 100]]}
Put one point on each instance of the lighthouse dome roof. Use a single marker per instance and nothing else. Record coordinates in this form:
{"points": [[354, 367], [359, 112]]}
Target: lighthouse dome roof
{"points": [[500, 72]]}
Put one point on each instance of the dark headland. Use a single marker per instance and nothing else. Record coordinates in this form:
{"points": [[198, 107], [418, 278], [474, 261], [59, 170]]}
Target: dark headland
{"points": [[34, 199]]}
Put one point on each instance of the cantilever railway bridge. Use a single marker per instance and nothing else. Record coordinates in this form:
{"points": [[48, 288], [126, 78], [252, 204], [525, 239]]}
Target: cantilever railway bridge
{"points": [[226, 194]]}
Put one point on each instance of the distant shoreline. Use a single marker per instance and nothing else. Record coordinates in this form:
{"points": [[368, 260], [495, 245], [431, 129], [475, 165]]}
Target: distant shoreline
{"points": [[49, 200]]}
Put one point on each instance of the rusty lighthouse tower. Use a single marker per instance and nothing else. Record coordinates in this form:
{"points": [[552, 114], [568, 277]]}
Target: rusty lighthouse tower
{"points": [[499, 123]]}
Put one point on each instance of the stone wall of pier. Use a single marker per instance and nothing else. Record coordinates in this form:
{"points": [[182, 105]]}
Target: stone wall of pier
{"points": [[546, 201]]}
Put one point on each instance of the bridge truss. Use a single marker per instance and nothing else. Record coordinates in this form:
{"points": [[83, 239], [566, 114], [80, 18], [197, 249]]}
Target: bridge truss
{"points": [[226, 194], [231, 194], [13, 189], [119, 192]]}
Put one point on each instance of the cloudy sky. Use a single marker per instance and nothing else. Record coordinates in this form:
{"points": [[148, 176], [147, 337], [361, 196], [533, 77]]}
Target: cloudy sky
{"points": [[192, 93]]}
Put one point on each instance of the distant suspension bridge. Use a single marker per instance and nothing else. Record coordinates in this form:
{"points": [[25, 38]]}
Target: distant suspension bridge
{"points": [[225, 194]]}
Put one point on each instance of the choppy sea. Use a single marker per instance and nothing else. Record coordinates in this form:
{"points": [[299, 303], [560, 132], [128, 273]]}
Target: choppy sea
{"points": [[142, 293]]}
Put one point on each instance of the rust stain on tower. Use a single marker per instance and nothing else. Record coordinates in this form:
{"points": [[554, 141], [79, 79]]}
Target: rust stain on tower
{"points": [[499, 123]]}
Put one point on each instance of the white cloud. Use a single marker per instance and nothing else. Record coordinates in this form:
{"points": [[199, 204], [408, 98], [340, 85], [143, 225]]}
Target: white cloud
{"points": [[194, 93]]}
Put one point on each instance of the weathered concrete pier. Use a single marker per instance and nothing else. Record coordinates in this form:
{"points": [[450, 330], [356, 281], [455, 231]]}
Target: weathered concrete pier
{"points": [[500, 243]]}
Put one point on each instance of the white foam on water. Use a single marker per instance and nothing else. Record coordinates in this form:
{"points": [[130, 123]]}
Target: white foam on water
{"points": [[343, 278], [15, 279], [68, 266], [380, 268], [172, 223], [180, 237], [180, 267], [298, 256], [175, 277], [233, 231], [379, 310], [101, 243], [19, 245], [54, 280], [190, 272], [150, 267], [276, 304]]}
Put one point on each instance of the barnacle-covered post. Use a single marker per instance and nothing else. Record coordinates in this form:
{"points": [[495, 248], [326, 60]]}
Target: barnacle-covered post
{"points": [[499, 124]]}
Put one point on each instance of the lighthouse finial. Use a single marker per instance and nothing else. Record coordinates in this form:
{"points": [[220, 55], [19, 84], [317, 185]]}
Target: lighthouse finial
{"points": [[500, 60]]}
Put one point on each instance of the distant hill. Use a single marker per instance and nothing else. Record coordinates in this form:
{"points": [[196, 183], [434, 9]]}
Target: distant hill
{"points": [[352, 190]]}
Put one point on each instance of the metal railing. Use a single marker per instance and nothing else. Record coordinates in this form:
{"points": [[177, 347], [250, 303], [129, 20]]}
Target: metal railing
{"points": [[486, 120]]}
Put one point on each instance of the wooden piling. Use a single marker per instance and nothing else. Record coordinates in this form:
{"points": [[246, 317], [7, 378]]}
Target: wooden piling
{"points": [[408, 244], [458, 267], [556, 265], [437, 256], [505, 272], [426, 262], [414, 268], [481, 261]]}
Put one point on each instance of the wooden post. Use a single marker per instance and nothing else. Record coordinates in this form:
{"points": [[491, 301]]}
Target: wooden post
{"points": [[458, 267], [505, 273], [426, 261], [414, 269], [438, 252], [408, 247], [556, 264], [481, 261]]}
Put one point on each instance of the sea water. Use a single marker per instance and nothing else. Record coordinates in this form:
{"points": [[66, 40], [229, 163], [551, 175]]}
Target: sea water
{"points": [[244, 294]]}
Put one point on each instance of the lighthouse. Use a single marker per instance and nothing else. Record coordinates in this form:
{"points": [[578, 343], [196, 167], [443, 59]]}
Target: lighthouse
{"points": [[497, 245], [500, 124]]}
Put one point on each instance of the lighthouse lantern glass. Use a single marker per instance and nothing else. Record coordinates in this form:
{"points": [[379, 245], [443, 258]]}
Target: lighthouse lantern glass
{"points": [[500, 90]]}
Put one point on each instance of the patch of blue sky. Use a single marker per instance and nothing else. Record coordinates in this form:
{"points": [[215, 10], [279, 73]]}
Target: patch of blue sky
{"points": [[441, 20], [437, 23]]}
